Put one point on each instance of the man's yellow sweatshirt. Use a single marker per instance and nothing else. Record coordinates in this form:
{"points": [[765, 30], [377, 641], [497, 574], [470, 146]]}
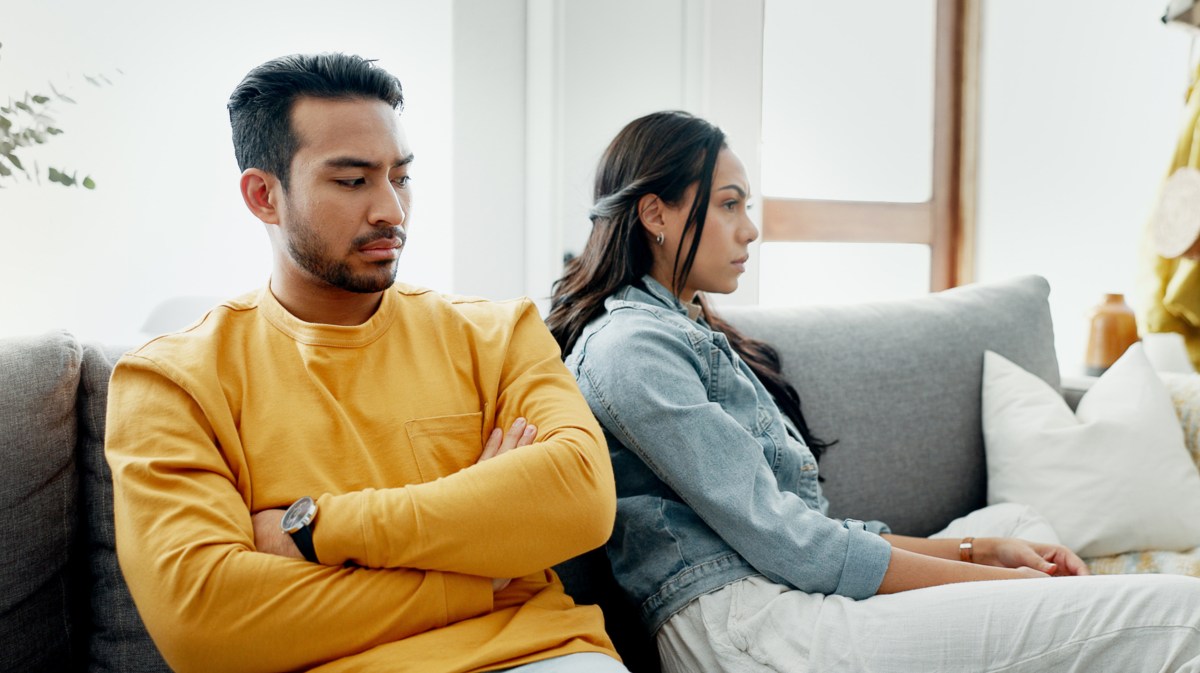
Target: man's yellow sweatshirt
{"points": [[383, 423]]}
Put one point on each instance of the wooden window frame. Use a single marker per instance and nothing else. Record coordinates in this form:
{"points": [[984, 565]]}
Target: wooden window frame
{"points": [[946, 221]]}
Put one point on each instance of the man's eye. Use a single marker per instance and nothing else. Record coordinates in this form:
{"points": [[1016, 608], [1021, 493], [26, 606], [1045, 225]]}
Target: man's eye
{"points": [[352, 182], [402, 181]]}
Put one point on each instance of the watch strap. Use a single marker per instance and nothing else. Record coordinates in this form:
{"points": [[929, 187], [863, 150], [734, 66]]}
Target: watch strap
{"points": [[304, 542]]}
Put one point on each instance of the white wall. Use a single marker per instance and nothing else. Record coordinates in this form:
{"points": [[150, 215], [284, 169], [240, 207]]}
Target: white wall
{"points": [[166, 218], [510, 103], [1081, 105], [489, 148]]}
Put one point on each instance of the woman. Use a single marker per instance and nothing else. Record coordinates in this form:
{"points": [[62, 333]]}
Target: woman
{"points": [[722, 537]]}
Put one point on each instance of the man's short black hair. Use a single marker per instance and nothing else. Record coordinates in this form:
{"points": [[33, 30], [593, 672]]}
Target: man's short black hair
{"points": [[260, 107]]}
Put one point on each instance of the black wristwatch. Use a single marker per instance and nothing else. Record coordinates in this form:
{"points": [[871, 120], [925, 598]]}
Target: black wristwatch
{"points": [[297, 522]]}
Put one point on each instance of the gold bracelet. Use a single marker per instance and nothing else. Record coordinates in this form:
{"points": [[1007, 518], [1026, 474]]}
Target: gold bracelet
{"points": [[966, 550]]}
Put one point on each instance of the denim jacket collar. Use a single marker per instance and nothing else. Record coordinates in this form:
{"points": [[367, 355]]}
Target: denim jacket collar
{"points": [[650, 290]]}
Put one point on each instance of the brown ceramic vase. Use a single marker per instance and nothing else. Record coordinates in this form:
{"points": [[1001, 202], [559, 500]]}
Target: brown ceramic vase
{"points": [[1113, 331]]}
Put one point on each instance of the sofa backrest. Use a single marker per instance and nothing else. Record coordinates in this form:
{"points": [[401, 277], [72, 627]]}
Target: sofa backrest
{"points": [[39, 377], [64, 605], [897, 385]]}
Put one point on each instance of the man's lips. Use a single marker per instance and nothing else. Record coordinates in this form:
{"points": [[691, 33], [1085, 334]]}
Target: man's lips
{"points": [[382, 249], [384, 244]]}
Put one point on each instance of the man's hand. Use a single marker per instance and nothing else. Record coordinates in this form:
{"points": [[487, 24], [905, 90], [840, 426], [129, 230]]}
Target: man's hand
{"points": [[520, 434], [1051, 559], [269, 538]]}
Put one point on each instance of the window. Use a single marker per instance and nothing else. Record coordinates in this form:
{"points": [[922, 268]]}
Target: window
{"points": [[863, 149]]}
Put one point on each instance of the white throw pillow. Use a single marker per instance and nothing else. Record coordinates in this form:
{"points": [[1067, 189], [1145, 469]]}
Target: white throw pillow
{"points": [[1111, 478]]}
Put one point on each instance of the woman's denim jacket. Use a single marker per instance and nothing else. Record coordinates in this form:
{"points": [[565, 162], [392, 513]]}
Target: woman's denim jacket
{"points": [[711, 486]]}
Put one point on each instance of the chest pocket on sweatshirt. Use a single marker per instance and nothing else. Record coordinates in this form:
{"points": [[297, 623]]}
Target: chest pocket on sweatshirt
{"points": [[444, 445]]}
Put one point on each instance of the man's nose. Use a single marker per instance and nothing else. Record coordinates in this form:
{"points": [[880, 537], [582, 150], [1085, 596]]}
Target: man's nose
{"points": [[388, 209]]}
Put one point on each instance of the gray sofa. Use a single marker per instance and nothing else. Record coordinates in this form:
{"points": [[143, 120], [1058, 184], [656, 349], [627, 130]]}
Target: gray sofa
{"points": [[63, 603], [896, 384]]}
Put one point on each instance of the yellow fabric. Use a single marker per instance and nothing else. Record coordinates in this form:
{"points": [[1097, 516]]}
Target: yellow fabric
{"points": [[1170, 288], [252, 408]]}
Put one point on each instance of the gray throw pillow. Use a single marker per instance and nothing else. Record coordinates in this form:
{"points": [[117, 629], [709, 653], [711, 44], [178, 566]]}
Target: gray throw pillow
{"points": [[117, 639], [39, 377], [897, 384]]}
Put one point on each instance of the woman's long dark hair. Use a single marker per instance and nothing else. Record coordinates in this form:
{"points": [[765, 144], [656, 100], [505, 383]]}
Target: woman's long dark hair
{"points": [[662, 154]]}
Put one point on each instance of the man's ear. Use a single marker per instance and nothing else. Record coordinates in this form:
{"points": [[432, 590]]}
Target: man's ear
{"points": [[650, 212], [259, 191]]}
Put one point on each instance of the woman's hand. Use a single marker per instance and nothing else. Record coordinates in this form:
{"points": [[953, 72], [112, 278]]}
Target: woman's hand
{"points": [[1051, 559]]}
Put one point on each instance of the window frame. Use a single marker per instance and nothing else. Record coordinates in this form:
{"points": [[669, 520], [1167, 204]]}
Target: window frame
{"points": [[945, 222]]}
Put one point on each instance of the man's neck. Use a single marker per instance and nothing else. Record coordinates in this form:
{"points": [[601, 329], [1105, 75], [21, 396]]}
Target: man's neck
{"points": [[325, 306]]}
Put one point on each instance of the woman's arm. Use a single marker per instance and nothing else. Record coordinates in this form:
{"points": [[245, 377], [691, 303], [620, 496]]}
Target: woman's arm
{"points": [[999, 552], [914, 570]]}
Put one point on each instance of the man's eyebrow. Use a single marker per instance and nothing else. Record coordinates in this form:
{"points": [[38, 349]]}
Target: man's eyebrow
{"points": [[741, 192], [355, 162]]}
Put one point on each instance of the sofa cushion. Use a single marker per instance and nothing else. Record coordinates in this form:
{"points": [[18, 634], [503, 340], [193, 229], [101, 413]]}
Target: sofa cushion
{"points": [[39, 377], [897, 384], [117, 639]]}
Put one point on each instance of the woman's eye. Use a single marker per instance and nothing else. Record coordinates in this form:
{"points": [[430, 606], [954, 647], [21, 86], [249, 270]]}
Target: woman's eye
{"points": [[730, 205]]}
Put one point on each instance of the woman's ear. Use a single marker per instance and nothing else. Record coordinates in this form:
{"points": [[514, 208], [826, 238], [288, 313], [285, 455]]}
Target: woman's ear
{"points": [[650, 212]]}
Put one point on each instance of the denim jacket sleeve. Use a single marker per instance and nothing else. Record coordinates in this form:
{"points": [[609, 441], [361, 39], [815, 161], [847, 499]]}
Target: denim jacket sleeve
{"points": [[648, 387]]}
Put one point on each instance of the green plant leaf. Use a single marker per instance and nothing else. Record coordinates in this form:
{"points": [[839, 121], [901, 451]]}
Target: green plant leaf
{"points": [[89, 183], [53, 131], [22, 106], [12, 159], [5, 123], [4, 171], [40, 100], [61, 178], [61, 96]]}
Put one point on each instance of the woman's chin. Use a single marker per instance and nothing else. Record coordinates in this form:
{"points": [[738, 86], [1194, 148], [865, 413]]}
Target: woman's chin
{"points": [[727, 288]]}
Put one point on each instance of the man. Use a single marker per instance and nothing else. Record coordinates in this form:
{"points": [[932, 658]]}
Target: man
{"points": [[418, 531]]}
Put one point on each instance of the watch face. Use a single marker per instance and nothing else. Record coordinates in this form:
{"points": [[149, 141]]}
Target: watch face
{"points": [[299, 514]]}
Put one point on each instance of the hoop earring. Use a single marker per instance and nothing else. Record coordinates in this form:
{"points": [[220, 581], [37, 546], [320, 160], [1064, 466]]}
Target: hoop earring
{"points": [[660, 238]]}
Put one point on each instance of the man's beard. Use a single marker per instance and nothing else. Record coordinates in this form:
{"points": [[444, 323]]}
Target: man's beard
{"points": [[306, 249]]}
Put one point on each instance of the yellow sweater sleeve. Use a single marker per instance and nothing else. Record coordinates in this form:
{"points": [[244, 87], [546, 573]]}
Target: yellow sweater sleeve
{"points": [[517, 514], [186, 548]]}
